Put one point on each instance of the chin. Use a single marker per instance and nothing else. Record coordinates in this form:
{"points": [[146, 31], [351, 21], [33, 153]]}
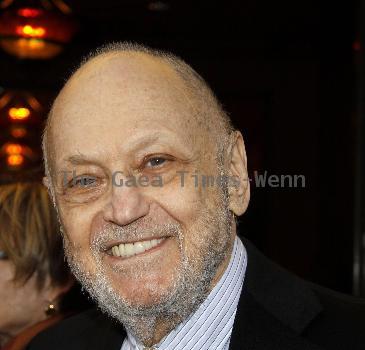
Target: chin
{"points": [[144, 292]]}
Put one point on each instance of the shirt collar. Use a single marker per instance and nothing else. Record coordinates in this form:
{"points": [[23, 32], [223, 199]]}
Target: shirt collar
{"points": [[210, 326]]}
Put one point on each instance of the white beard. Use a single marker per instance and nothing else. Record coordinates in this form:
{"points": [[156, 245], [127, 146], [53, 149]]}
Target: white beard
{"points": [[193, 276]]}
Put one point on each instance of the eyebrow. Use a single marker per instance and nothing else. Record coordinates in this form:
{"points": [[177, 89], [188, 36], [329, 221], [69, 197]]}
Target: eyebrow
{"points": [[80, 159]]}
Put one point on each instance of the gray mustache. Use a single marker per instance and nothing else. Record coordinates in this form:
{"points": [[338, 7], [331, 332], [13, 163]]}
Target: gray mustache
{"points": [[134, 233]]}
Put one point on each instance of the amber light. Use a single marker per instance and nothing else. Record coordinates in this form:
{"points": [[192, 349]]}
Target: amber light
{"points": [[29, 31], [19, 113], [13, 148], [15, 159], [14, 154]]}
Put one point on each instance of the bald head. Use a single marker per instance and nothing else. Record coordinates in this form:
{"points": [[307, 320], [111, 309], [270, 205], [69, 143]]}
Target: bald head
{"points": [[135, 70], [127, 116]]}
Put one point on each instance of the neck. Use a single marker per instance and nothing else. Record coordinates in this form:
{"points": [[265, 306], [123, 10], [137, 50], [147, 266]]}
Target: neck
{"points": [[162, 328]]}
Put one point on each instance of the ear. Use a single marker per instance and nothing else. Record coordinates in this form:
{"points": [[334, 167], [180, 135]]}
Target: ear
{"points": [[239, 187], [45, 182]]}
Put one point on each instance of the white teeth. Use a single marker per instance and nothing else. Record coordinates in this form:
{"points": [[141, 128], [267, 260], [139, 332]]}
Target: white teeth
{"points": [[121, 249], [129, 249], [147, 244], [138, 247], [115, 251]]}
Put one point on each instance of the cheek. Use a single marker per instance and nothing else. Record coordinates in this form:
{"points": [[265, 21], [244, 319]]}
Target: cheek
{"points": [[8, 291], [20, 305], [77, 223], [189, 205], [202, 213], [182, 203]]}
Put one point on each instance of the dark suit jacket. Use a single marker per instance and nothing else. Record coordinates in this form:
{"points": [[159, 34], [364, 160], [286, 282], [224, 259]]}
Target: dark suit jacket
{"points": [[276, 311]]}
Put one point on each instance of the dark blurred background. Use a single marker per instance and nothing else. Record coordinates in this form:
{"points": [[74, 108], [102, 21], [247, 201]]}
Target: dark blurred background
{"points": [[290, 74]]}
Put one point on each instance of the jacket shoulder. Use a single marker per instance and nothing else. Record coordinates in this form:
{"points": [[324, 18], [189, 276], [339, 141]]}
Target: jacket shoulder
{"points": [[86, 330], [341, 321]]}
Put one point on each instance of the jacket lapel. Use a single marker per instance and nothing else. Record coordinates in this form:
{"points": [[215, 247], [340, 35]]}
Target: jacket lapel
{"points": [[274, 309], [106, 334]]}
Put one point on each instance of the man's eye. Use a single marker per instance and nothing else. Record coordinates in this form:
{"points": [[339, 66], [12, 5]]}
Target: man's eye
{"points": [[3, 255], [155, 162], [83, 181]]}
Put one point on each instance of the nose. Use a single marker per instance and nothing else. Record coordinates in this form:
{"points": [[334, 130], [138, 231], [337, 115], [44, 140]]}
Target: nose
{"points": [[127, 204]]}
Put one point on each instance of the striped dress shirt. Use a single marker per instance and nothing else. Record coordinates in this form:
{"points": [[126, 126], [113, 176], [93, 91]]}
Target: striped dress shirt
{"points": [[210, 326]]}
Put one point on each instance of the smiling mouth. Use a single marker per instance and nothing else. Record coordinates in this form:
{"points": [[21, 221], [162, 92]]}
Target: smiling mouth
{"points": [[125, 250]]}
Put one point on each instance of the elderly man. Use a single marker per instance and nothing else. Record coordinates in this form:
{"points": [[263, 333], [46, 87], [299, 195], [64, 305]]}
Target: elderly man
{"points": [[130, 144]]}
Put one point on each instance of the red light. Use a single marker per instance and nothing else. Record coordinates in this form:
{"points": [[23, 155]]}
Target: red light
{"points": [[29, 12], [356, 46], [18, 132], [35, 32]]}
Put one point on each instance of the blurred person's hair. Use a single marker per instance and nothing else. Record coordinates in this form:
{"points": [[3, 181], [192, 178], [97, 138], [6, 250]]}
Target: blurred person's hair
{"points": [[29, 234]]}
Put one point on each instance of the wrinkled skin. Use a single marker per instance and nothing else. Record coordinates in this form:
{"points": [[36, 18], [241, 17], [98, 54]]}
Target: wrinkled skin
{"points": [[131, 113]]}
